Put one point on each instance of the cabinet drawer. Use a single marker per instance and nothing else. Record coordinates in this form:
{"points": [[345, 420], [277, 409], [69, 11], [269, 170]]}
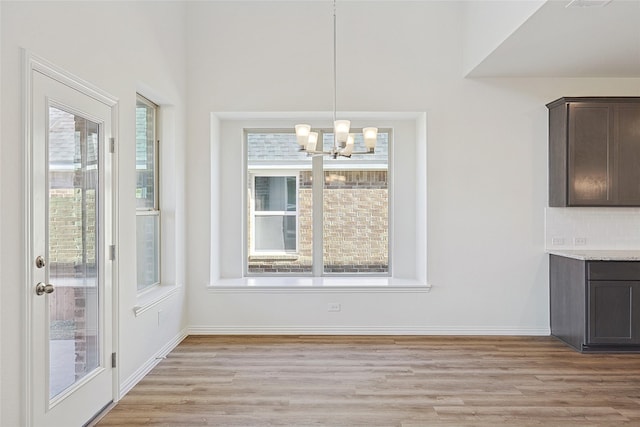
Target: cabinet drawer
{"points": [[613, 270]]}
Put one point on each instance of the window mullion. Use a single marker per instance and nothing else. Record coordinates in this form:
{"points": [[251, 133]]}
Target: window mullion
{"points": [[317, 187]]}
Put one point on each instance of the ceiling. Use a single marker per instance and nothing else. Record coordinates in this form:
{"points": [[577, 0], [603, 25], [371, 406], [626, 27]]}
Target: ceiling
{"points": [[560, 41]]}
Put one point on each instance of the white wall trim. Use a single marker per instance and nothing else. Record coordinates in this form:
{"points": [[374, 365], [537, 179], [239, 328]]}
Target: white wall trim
{"points": [[316, 115], [308, 284], [366, 330], [37, 63], [221, 289], [154, 297], [151, 363]]}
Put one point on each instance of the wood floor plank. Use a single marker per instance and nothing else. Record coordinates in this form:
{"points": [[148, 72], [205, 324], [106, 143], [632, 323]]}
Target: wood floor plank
{"points": [[406, 381]]}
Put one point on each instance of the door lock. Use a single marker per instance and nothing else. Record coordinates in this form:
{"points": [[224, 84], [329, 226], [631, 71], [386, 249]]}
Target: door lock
{"points": [[41, 288], [40, 262]]}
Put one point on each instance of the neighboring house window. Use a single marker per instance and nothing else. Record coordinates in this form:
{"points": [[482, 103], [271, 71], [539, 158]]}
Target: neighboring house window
{"points": [[147, 191], [275, 219], [354, 212]]}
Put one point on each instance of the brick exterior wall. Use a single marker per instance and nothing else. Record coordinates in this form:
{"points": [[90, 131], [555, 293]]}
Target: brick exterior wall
{"points": [[356, 226], [65, 231]]}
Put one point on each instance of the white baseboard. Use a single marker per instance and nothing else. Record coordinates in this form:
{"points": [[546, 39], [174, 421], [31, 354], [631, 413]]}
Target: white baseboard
{"points": [[143, 370], [363, 330]]}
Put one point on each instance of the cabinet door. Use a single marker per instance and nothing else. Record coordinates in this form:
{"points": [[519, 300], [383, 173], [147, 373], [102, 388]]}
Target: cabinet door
{"points": [[627, 142], [613, 316], [590, 156]]}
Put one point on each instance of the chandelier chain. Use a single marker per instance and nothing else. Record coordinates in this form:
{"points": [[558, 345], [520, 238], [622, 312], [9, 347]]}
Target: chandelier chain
{"points": [[335, 66], [343, 141]]}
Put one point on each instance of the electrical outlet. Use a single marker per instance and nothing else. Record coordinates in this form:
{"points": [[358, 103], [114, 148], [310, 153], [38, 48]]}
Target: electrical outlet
{"points": [[557, 241], [160, 317], [579, 241], [333, 306]]}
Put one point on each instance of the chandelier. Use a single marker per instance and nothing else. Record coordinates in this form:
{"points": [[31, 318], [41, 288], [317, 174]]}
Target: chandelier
{"points": [[343, 141]]}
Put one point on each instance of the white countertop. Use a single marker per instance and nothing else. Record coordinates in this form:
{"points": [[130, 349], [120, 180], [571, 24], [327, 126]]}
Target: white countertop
{"points": [[598, 255]]}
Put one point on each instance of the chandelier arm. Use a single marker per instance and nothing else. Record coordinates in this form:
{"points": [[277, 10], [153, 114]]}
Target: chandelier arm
{"points": [[316, 151], [334, 153]]}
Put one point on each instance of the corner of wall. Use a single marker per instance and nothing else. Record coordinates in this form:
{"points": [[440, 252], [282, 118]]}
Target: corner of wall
{"points": [[488, 24], [145, 368]]}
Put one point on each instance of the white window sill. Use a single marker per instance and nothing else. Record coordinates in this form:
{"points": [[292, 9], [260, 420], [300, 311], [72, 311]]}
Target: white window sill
{"points": [[274, 257], [153, 297], [317, 284]]}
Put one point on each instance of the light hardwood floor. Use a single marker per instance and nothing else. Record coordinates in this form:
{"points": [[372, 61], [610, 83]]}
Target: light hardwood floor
{"points": [[383, 381]]}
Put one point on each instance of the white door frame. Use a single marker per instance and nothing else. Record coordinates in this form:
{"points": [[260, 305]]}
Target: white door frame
{"points": [[33, 63]]}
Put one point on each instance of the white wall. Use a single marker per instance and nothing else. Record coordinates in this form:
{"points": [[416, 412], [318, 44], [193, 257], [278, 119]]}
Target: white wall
{"points": [[595, 228], [487, 159], [489, 23], [120, 47]]}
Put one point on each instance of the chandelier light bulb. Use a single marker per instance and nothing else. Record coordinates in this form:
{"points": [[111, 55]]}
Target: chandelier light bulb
{"points": [[370, 137], [312, 142], [302, 134], [348, 149], [341, 129]]}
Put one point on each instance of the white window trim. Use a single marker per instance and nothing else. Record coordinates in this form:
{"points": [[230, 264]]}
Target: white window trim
{"points": [[226, 255], [171, 277]]}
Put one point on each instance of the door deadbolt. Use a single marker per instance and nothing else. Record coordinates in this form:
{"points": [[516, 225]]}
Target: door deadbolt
{"points": [[41, 288], [40, 262]]}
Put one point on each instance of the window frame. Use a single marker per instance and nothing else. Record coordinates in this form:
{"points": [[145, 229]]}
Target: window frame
{"points": [[279, 169], [155, 210]]}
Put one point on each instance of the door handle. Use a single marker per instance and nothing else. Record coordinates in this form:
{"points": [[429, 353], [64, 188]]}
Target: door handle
{"points": [[41, 288]]}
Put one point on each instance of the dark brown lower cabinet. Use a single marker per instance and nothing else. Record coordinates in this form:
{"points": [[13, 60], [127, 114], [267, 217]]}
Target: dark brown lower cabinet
{"points": [[595, 305]]}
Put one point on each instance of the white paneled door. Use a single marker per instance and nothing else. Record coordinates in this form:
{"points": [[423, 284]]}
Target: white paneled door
{"points": [[71, 271]]}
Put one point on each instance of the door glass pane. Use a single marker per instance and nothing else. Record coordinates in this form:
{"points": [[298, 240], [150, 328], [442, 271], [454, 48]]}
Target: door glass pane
{"points": [[72, 249]]}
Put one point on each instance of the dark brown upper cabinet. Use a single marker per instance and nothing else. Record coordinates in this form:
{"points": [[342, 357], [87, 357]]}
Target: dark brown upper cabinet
{"points": [[594, 151]]}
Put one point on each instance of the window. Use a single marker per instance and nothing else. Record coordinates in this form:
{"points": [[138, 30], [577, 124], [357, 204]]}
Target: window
{"points": [[349, 227], [275, 216], [147, 200]]}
